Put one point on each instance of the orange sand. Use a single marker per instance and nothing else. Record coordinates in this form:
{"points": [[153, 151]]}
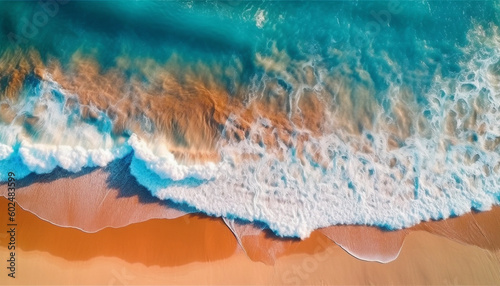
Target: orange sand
{"points": [[138, 250], [202, 251], [110, 197], [92, 199], [374, 244], [155, 242]]}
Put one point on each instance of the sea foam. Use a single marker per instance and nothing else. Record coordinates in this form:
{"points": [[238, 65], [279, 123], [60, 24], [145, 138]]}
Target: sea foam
{"points": [[446, 166], [441, 173]]}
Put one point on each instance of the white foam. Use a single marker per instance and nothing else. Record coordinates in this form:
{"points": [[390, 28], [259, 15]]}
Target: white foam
{"points": [[5, 151], [430, 177], [260, 18], [59, 138], [166, 166], [40, 158]]}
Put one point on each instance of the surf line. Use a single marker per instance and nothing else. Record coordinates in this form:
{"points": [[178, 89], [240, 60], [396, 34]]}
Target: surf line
{"points": [[11, 225]]}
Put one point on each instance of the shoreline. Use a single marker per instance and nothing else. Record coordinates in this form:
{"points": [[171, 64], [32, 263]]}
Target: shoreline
{"points": [[261, 245], [196, 249], [44, 258], [99, 199]]}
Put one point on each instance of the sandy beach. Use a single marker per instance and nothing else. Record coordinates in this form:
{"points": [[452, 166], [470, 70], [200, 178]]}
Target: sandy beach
{"points": [[249, 142], [160, 252], [111, 238]]}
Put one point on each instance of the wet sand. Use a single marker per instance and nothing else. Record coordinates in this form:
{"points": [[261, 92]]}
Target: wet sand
{"points": [[154, 242], [128, 240], [200, 250], [92, 199], [426, 259], [479, 229]]}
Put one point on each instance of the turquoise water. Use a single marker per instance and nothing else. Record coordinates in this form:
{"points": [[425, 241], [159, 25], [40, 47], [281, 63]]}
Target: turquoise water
{"points": [[428, 33], [422, 74]]}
